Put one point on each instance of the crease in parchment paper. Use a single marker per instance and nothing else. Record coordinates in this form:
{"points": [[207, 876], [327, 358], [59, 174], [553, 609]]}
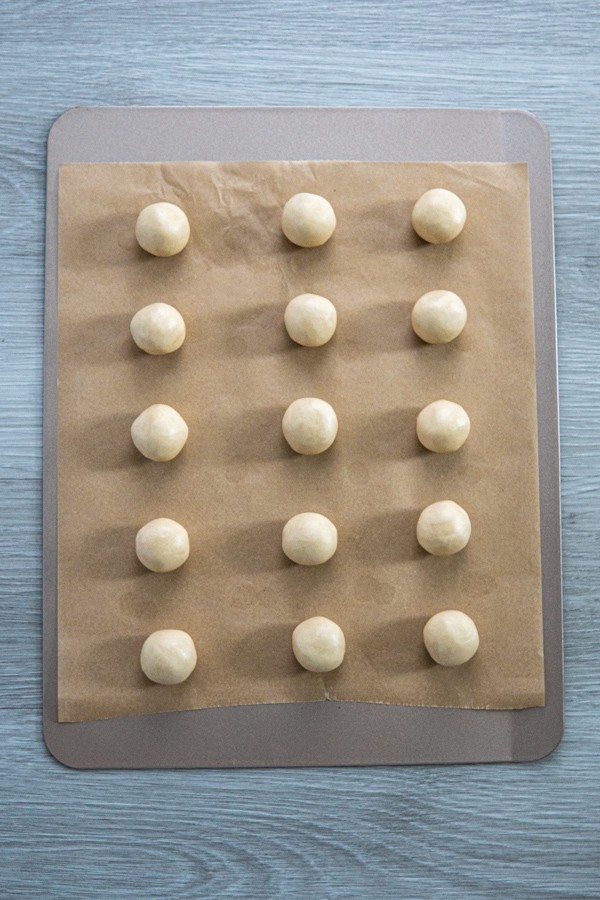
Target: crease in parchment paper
{"points": [[236, 482]]}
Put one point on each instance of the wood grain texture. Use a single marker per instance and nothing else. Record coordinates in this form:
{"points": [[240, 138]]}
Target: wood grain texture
{"points": [[499, 831]]}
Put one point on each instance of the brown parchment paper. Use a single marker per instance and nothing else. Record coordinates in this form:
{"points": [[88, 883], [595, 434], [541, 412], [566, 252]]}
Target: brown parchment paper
{"points": [[236, 482]]}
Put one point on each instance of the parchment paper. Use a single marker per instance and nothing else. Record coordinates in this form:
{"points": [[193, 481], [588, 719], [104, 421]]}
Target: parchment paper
{"points": [[236, 482]]}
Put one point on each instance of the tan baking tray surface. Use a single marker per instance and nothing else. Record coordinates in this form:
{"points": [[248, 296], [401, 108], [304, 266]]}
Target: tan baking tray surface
{"points": [[237, 350]]}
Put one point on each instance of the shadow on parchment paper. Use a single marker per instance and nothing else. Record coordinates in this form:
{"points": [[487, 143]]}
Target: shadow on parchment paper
{"points": [[260, 234], [306, 263], [255, 435], [272, 645], [397, 646], [93, 244], [110, 553], [392, 433], [97, 243], [104, 672], [388, 538], [105, 556], [257, 548], [258, 331], [101, 339], [154, 597], [379, 239], [440, 571], [384, 328], [440, 466], [105, 443], [115, 345], [244, 237]]}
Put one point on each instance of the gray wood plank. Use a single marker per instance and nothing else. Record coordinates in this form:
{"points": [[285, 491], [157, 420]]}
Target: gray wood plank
{"points": [[514, 831]]}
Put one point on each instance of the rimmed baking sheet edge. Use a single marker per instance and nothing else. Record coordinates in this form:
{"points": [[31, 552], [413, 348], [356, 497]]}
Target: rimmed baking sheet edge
{"points": [[317, 733]]}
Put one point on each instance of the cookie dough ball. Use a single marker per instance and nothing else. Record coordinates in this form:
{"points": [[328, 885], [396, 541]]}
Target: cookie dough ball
{"points": [[162, 545], [438, 317], [319, 644], [310, 320], [309, 539], [443, 426], [159, 433], [308, 220], [443, 528], [439, 216], [451, 638], [310, 425], [158, 329], [162, 229], [168, 656]]}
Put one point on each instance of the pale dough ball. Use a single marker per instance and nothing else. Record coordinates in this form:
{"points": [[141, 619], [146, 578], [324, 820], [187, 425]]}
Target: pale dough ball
{"points": [[159, 433], [443, 426], [443, 528], [162, 545], [451, 638], [310, 425], [310, 320], [319, 644], [439, 216], [158, 329], [162, 229], [168, 656], [439, 316], [308, 220], [309, 539]]}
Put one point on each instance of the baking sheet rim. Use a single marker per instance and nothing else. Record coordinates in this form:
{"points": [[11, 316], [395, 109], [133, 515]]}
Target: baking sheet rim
{"points": [[73, 736]]}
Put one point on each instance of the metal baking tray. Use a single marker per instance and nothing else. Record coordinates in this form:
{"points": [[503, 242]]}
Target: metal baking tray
{"points": [[316, 733]]}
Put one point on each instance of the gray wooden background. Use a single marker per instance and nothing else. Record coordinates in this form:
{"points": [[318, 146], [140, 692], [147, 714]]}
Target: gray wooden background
{"points": [[481, 831]]}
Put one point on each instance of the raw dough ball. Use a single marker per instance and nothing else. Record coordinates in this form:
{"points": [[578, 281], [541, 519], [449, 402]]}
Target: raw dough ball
{"points": [[158, 328], [310, 320], [162, 229], [443, 426], [159, 432], [308, 220], [162, 545], [443, 528], [168, 656], [439, 316], [439, 216], [310, 425], [451, 638], [309, 539], [319, 644]]}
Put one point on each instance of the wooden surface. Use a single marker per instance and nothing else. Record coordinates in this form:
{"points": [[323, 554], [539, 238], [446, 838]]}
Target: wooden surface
{"points": [[499, 831]]}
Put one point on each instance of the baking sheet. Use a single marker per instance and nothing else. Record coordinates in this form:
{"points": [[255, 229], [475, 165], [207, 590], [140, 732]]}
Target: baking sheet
{"points": [[489, 737], [236, 482]]}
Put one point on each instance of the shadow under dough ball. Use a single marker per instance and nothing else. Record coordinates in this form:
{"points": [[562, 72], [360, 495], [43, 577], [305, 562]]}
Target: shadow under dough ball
{"points": [[162, 229], [319, 644], [451, 638], [308, 220], [439, 216]]}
